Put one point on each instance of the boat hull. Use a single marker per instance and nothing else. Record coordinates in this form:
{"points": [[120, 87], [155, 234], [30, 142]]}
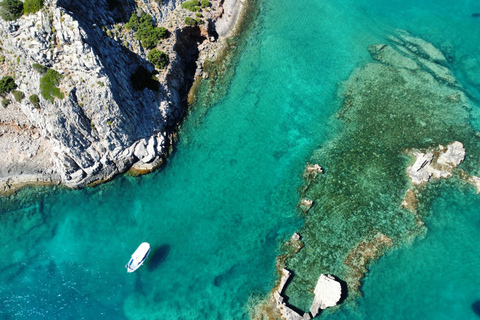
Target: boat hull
{"points": [[138, 257]]}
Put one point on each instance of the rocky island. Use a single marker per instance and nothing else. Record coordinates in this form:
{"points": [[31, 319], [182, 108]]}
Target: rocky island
{"points": [[405, 122], [90, 97]]}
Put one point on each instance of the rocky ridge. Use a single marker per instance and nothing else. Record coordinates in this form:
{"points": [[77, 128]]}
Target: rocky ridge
{"points": [[103, 126]]}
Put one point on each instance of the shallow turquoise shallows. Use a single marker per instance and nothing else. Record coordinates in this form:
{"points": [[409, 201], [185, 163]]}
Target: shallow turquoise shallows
{"points": [[219, 209]]}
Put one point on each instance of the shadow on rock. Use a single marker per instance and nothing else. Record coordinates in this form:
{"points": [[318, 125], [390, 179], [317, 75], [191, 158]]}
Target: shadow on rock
{"points": [[344, 286], [157, 256]]}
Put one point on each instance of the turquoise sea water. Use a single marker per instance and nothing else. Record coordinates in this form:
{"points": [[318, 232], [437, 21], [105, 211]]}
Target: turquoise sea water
{"points": [[218, 211]]}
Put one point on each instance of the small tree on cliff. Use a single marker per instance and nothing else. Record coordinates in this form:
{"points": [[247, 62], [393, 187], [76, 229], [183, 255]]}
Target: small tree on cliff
{"points": [[32, 6], [49, 85], [11, 9], [35, 100], [158, 58], [7, 84]]}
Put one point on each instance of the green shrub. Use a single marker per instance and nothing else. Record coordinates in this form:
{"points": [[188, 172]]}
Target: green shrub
{"points": [[35, 100], [193, 22], [18, 95], [142, 79], [11, 9], [146, 32], [39, 68], [199, 15], [48, 85], [151, 36], [32, 6], [205, 3], [193, 5], [133, 23], [158, 58], [7, 84], [5, 102]]}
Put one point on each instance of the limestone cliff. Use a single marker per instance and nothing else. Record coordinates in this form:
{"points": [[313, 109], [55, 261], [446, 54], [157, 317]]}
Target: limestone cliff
{"points": [[105, 123]]}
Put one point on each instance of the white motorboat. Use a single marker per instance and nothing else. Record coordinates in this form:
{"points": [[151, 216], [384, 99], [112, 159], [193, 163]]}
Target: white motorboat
{"points": [[138, 257]]}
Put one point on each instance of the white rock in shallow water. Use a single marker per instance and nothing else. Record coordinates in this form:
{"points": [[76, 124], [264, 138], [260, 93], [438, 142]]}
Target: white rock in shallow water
{"points": [[141, 149], [453, 156], [417, 172], [427, 166], [151, 151], [476, 182], [328, 293]]}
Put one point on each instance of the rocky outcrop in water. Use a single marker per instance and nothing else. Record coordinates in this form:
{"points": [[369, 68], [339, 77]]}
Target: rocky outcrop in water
{"points": [[107, 121], [406, 98], [437, 163], [434, 164], [328, 293]]}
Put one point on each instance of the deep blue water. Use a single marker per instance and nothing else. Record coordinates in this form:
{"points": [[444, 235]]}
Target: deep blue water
{"points": [[219, 209]]}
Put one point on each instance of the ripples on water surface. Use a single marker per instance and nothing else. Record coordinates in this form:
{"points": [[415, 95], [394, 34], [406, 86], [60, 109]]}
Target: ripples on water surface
{"points": [[216, 213]]}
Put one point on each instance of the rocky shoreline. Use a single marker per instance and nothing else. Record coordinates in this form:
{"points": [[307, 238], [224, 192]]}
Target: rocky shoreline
{"points": [[103, 126]]}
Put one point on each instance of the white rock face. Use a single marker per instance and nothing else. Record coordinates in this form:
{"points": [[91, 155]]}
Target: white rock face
{"points": [[417, 172], [231, 10], [453, 156], [328, 292], [102, 125], [476, 182], [428, 165]]}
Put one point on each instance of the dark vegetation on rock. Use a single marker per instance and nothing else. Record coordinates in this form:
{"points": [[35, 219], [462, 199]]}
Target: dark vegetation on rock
{"points": [[193, 22], [39, 68], [35, 100], [18, 95], [145, 31], [7, 84], [49, 85], [195, 5], [11, 9], [158, 58], [6, 102], [32, 6]]}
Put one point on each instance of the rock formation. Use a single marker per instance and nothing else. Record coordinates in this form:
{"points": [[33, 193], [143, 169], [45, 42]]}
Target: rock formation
{"points": [[428, 165], [405, 98], [437, 163], [328, 293], [105, 123]]}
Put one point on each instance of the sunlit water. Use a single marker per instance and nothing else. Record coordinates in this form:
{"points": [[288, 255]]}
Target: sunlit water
{"points": [[217, 212]]}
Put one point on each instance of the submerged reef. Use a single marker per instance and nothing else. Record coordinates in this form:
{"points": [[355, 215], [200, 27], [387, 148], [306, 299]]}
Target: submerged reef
{"points": [[407, 98]]}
